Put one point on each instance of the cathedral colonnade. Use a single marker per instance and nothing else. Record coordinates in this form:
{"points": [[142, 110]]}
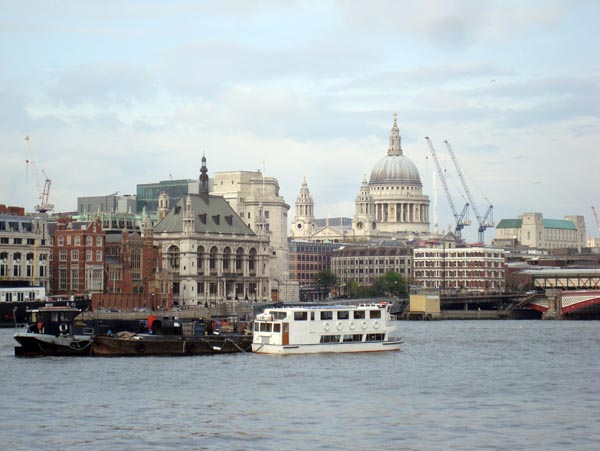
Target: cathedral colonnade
{"points": [[412, 212]]}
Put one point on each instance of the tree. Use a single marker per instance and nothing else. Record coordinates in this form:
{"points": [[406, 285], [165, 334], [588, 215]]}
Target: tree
{"points": [[326, 279], [390, 283]]}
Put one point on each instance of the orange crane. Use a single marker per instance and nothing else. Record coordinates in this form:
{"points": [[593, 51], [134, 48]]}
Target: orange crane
{"points": [[43, 193]]}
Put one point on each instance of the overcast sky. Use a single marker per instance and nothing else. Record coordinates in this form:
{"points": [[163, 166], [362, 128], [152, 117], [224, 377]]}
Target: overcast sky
{"points": [[116, 93]]}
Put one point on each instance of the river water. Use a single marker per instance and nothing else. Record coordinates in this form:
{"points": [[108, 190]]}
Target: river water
{"points": [[456, 385]]}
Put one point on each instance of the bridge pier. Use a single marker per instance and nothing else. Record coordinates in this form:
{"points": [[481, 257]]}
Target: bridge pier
{"points": [[554, 311]]}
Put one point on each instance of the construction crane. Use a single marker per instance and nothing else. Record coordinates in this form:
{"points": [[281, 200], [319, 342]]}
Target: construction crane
{"points": [[484, 221], [596, 217], [461, 219], [43, 193]]}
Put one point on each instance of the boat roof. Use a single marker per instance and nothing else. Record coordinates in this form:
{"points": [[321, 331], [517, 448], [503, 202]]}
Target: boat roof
{"points": [[329, 307], [54, 309]]}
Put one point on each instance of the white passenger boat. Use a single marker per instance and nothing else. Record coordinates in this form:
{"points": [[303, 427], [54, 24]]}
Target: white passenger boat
{"points": [[340, 328]]}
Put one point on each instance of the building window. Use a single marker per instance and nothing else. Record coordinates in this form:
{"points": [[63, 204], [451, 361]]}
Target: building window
{"points": [[88, 256], [77, 240], [62, 279], [75, 255], [62, 256], [98, 256], [173, 257], [98, 241], [74, 279], [68, 240], [61, 241], [135, 259]]}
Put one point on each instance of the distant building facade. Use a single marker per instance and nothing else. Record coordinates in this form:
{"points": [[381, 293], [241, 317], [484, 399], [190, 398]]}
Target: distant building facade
{"points": [[147, 193], [364, 263], [532, 230], [25, 249], [307, 259], [111, 203], [479, 269]]}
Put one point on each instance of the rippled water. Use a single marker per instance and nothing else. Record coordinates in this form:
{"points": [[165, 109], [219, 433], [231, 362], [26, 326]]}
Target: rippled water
{"points": [[498, 385]]}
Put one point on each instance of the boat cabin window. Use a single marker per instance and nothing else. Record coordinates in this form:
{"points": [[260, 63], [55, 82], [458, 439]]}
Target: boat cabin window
{"points": [[326, 315], [352, 337], [279, 315], [359, 314], [265, 327], [375, 314], [330, 338], [277, 328], [375, 337], [300, 316], [343, 314]]}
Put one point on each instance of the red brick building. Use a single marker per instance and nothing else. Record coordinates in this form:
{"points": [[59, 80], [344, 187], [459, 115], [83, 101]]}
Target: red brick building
{"points": [[119, 269], [77, 262]]}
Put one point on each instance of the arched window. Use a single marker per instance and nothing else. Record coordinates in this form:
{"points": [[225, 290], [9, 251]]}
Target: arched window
{"points": [[173, 257], [238, 259], [252, 260], [226, 259], [212, 258], [200, 256]]}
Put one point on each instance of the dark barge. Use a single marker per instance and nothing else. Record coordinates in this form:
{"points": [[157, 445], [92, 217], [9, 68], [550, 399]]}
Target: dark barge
{"points": [[128, 344]]}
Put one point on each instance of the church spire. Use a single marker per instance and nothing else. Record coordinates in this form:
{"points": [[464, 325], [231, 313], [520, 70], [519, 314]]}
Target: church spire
{"points": [[395, 148], [204, 178]]}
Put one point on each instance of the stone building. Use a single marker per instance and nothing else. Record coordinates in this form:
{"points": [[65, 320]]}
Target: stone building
{"points": [[474, 269], [25, 249], [532, 230], [391, 203], [257, 201], [210, 253]]}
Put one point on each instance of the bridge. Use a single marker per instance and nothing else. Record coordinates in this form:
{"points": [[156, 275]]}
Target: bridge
{"points": [[571, 304]]}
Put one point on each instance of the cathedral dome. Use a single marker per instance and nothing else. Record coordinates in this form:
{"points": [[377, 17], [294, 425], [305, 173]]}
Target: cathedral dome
{"points": [[395, 167]]}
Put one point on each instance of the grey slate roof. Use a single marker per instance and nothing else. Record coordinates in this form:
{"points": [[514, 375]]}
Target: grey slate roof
{"points": [[215, 216]]}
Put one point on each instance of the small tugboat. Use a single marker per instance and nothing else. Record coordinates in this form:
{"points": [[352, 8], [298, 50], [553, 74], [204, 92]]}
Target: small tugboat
{"points": [[52, 331], [341, 328]]}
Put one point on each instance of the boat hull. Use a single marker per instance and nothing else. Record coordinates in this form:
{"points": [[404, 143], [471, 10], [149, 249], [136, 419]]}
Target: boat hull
{"points": [[260, 348], [35, 345], [149, 345]]}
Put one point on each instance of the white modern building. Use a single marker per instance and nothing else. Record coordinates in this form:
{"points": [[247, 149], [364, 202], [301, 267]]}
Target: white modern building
{"points": [[474, 269]]}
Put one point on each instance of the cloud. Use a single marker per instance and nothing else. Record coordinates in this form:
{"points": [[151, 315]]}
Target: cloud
{"points": [[457, 23], [101, 84]]}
